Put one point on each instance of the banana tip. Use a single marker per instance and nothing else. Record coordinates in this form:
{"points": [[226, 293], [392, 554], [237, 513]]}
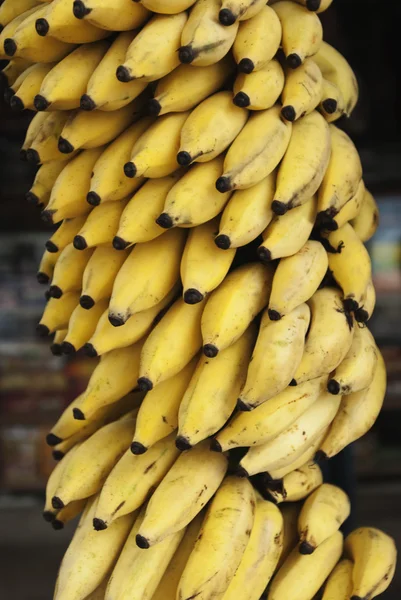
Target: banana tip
{"points": [[223, 184], [274, 315], [137, 448], [142, 542], [90, 350], [16, 104], [333, 387], [32, 156], [42, 278], [78, 414], [184, 158], [294, 61], [242, 406], [58, 455], [119, 243], [222, 241], [182, 443], [116, 321], [32, 199], [79, 9], [144, 384], [330, 105], [57, 503], [186, 55], [52, 439], [288, 112], [227, 17], [55, 349], [86, 103], [64, 146], [130, 170], [306, 548], [313, 4], [10, 47], [123, 74], [55, 292], [42, 330], [42, 27], [93, 199], [154, 107], [264, 255], [99, 524], [242, 100], [68, 348], [210, 350], [193, 296], [41, 103], [51, 246], [279, 208], [80, 242], [164, 220], [86, 302], [320, 457], [57, 525], [215, 446], [246, 65]]}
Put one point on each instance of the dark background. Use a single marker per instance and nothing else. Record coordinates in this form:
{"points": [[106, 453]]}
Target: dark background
{"points": [[34, 386]]}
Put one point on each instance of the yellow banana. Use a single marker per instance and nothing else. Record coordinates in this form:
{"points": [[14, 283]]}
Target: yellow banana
{"points": [[154, 154], [58, 339], [297, 278], [154, 51], [99, 592], [256, 151], [59, 22], [43, 148], [122, 16], [168, 7], [30, 86], [290, 514], [68, 271], [257, 41], [366, 222], [101, 225], [70, 512], [10, 28], [329, 338], [276, 356], [171, 345], [302, 91], [197, 420], [194, 199], [49, 513], [10, 9], [364, 313], [203, 265], [318, 6], [221, 543], [339, 583], [181, 495], [332, 104], [350, 211], [233, 306], [81, 327], [261, 89], [297, 485], [241, 10], [204, 41], [13, 70], [45, 178], [302, 32], [46, 267], [57, 313], [100, 274], [33, 130]]}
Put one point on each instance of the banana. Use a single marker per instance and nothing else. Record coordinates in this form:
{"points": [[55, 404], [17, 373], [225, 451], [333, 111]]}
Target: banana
{"points": [[343, 174], [322, 514], [356, 415], [276, 356], [99, 592], [131, 481], [256, 151], [293, 441], [58, 339], [195, 420], [168, 7], [339, 583], [288, 233], [89, 556], [332, 104], [9, 30], [108, 182], [203, 265], [194, 199], [100, 226], [350, 265], [43, 148], [154, 154], [13, 70], [17, 84], [68, 271], [356, 371], [181, 495], [99, 275], [10, 9], [82, 326], [57, 313], [138, 220], [171, 345], [70, 512], [106, 337], [154, 51], [336, 70], [366, 222], [45, 178], [210, 128], [374, 555], [241, 10], [260, 89], [91, 463], [33, 130], [49, 513], [246, 215], [364, 313], [204, 41], [290, 514], [154, 266], [329, 338], [64, 85], [103, 90], [114, 377], [233, 306], [185, 87], [58, 22], [302, 91], [318, 6], [257, 41], [124, 15], [158, 415], [271, 418], [85, 130], [46, 267], [350, 211], [29, 87], [304, 164], [297, 485], [301, 576], [261, 555], [297, 278], [302, 32]]}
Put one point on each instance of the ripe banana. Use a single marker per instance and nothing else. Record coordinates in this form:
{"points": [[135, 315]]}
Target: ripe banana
{"points": [[203, 266], [197, 421], [221, 543], [100, 226], [329, 338], [154, 51], [204, 41], [350, 211], [256, 151], [332, 104], [194, 199], [43, 148], [322, 514], [45, 178], [49, 513], [181, 495], [155, 267], [260, 89], [82, 326], [297, 485], [366, 222], [33, 130], [288, 233], [257, 41], [168, 7], [13, 70], [364, 313], [57, 313], [241, 10], [339, 583], [302, 32], [28, 85], [10, 9], [9, 30], [122, 16], [46, 267], [233, 306], [99, 275], [302, 91], [58, 22], [171, 345], [68, 271]]}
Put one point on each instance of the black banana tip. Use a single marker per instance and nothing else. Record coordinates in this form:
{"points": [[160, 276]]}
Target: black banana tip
{"points": [[264, 255], [32, 156], [58, 455], [42, 330], [57, 525], [227, 17], [116, 321], [142, 542], [274, 315], [137, 448], [215, 446], [294, 61], [223, 242], [55, 292], [32, 199], [47, 216], [223, 184], [41, 103], [79, 9], [279, 208], [57, 503], [361, 315], [246, 65], [8, 94], [144, 384], [165, 221], [10, 47], [242, 406], [68, 348], [293, 383], [51, 247], [193, 296], [210, 350], [80, 242], [48, 516], [242, 100], [350, 305], [306, 548], [53, 440], [90, 350], [78, 414], [313, 4], [42, 27], [186, 55], [93, 199], [123, 74], [119, 243], [99, 524], [333, 387], [16, 103], [241, 472], [42, 278], [184, 159], [288, 112], [320, 457], [182, 443], [55, 349], [86, 103], [86, 302], [154, 107], [130, 170], [330, 105], [64, 146]]}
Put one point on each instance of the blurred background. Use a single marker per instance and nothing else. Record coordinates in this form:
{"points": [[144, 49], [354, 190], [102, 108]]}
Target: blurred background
{"points": [[35, 386]]}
